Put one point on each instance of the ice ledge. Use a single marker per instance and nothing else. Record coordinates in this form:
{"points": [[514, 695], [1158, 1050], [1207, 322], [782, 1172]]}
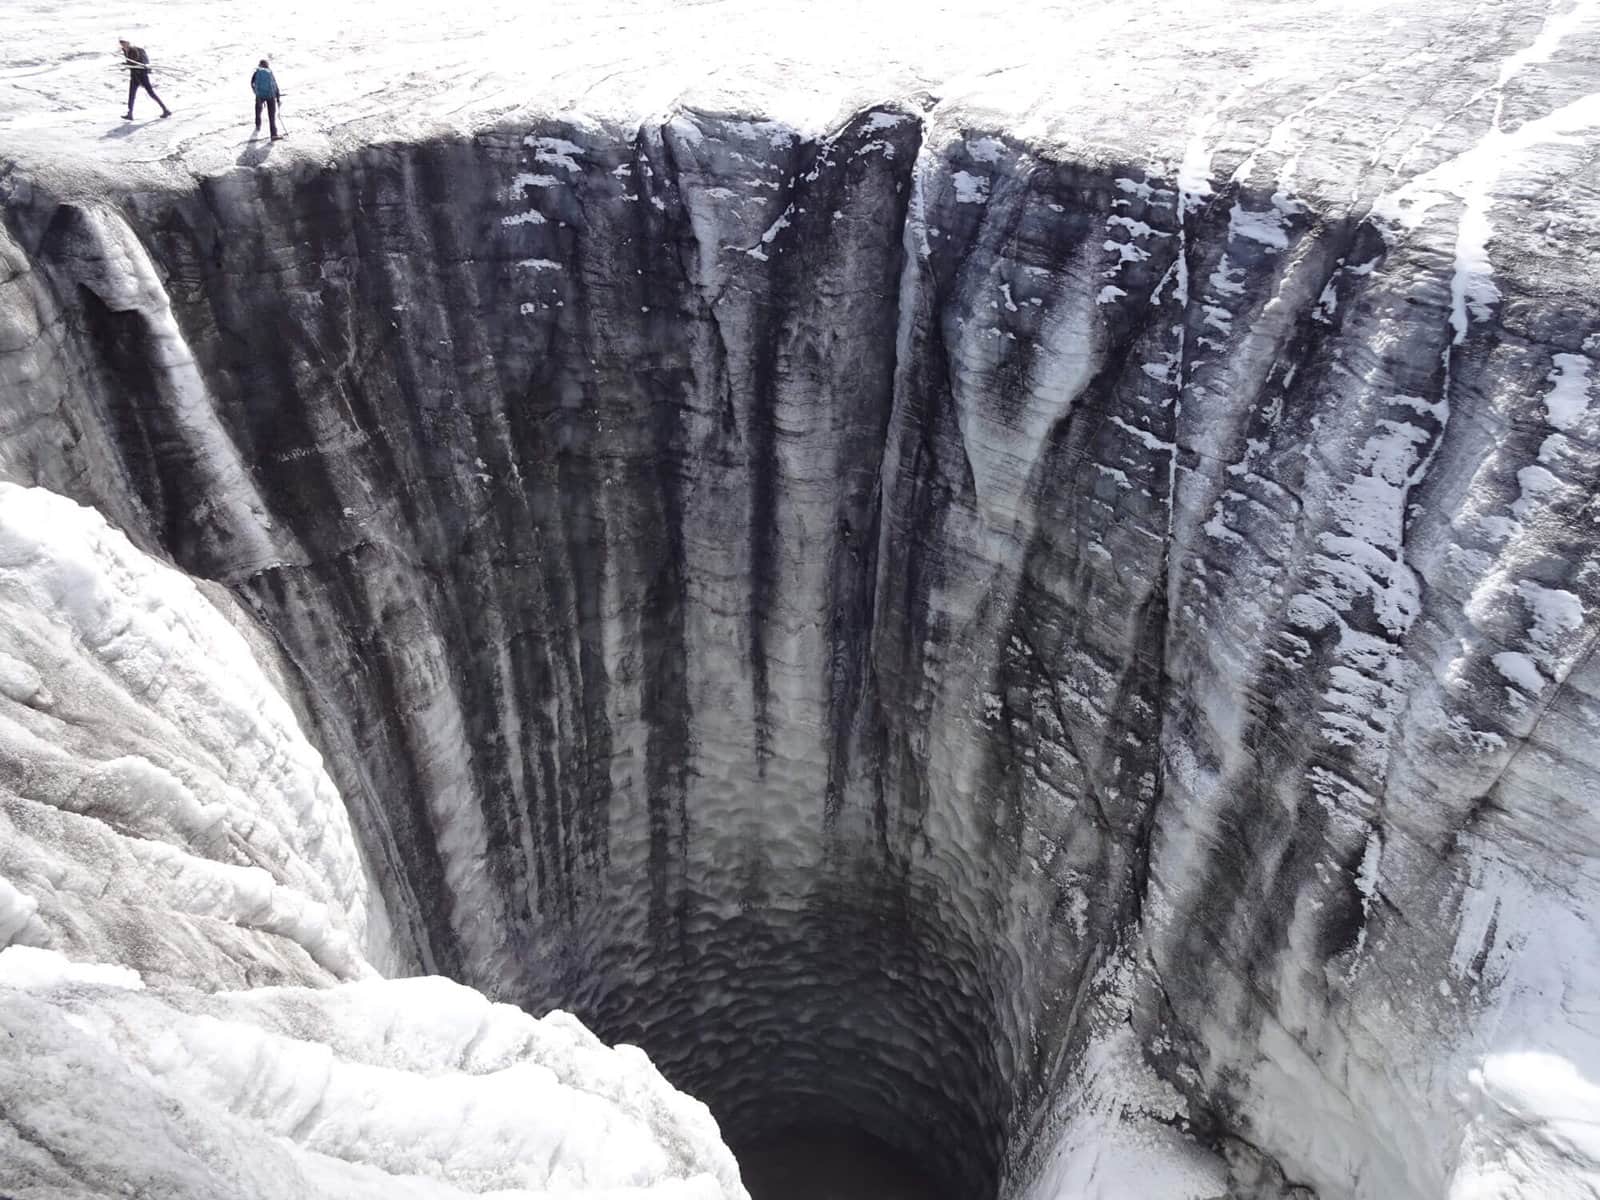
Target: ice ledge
{"points": [[166, 830], [393, 1088]]}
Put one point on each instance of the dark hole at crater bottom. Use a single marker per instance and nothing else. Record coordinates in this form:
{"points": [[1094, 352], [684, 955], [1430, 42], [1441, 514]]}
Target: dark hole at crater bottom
{"points": [[848, 1047], [832, 1163]]}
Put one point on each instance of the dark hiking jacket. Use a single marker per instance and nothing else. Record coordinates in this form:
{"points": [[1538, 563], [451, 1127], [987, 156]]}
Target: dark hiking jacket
{"points": [[264, 85]]}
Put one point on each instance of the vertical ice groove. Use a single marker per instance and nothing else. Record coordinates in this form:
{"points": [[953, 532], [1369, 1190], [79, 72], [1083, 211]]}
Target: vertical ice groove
{"points": [[113, 263]]}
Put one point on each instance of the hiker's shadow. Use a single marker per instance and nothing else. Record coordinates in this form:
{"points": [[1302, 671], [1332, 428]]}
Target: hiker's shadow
{"points": [[255, 153], [124, 129]]}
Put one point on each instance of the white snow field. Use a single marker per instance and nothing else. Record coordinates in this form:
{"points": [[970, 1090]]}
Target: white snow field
{"points": [[1091, 75]]}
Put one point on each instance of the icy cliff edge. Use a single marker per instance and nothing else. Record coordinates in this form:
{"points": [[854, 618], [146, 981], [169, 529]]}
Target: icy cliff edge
{"points": [[167, 836]]}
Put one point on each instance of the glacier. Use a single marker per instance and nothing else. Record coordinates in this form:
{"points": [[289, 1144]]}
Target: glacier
{"points": [[1021, 584]]}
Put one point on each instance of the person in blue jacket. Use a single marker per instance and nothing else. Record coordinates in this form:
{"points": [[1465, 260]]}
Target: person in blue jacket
{"points": [[266, 89]]}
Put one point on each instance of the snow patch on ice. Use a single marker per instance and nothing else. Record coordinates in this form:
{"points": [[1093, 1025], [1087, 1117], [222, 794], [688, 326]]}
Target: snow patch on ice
{"points": [[1567, 402], [879, 120], [986, 149], [1267, 228], [1194, 174], [1114, 1134], [1143, 436], [1472, 289], [1519, 669], [776, 134], [16, 913], [1556, 613], [1366, 882], [556, 152], [970, 188], [1138, 229], [1537, 484], [30, 968], [771, 234]]}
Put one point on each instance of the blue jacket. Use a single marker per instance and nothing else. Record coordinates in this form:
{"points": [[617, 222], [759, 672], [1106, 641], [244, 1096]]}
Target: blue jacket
{"points": [[266, 87]]}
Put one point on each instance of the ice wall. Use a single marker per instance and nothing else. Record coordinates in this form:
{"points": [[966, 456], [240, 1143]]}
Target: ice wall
{"points": [[1058, 661]]}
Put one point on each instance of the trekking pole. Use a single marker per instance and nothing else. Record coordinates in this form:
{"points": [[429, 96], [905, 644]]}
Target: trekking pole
{"points": [[129, 64], [283, 126]]}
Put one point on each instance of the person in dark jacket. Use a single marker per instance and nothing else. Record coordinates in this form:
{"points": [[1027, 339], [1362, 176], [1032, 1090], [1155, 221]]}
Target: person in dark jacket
{"points": [[138, 64], [266, 89]]}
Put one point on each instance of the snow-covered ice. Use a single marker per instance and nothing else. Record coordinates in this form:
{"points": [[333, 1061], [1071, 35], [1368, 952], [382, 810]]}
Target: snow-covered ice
{"points": [[166, 836]]}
